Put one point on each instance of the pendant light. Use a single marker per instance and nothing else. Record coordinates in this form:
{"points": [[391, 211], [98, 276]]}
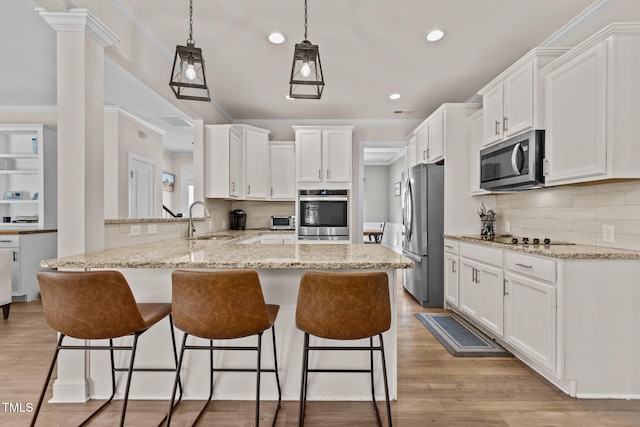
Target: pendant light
{"points": [[307, 81], [188, 79]]}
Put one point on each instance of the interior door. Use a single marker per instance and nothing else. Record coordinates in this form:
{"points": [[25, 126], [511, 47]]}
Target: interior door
{"points": [[142, 174]]}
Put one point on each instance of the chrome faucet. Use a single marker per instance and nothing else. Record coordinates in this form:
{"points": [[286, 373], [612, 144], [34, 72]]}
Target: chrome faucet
{"points": [[192, 228]]}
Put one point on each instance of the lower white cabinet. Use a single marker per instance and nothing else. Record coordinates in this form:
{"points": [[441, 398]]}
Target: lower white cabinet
{"points": [[530, 318], [26, 251], [481, 294], [451, 272]]}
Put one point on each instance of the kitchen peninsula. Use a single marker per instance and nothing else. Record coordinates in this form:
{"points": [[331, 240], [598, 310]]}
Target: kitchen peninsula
{"points": [[148, 268]]}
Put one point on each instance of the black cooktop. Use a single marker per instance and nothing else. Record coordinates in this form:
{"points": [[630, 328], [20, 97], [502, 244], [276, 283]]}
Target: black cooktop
{"points": [[516, 240]]}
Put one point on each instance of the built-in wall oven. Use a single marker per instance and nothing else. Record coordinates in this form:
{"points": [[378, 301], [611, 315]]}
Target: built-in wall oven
{"points": [[323, 215]]}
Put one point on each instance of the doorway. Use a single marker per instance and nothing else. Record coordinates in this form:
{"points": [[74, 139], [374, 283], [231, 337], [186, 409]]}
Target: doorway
{"points": [[142, 187]]}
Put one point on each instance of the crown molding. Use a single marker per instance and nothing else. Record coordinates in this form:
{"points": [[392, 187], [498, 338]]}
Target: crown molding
{"points": [[116, 109], [79, 20], [330, 122], [576, 23]]}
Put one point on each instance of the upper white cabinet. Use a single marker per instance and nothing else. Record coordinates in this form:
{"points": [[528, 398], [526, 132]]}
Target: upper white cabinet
{"points": [[28, 177], [256, 166], [429, 138], [236, 163], [282, 159], [323, 156], [593, 105], [476, 120], [513, 102]]}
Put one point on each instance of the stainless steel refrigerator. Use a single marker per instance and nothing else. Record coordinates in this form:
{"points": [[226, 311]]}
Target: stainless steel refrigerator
{"points": [[423, 228]]}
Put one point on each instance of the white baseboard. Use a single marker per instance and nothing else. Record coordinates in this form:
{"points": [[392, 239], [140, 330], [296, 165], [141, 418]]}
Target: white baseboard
{"points": [[70, 391]]}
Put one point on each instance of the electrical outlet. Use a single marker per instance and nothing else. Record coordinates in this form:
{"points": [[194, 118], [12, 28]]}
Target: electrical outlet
{"points": [[507, 226], [608, 235], [135, 230], [209, 225], [152, 228]]}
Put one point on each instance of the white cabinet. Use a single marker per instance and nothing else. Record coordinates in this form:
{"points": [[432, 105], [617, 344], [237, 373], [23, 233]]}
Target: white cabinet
{"points": [[28, 177], [323, 156], [476, 120], [429, 138], [482, 286], [282, 160], [26, 250], [593, 105], [236, 163], [256, 166], [451, 272], [513, 101]]}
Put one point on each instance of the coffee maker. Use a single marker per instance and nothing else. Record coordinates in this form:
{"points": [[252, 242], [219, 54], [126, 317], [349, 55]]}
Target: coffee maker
{"points": [[238, 219]]}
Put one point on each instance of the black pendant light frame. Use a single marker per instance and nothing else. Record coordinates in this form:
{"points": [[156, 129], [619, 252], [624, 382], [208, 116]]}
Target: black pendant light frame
{"points": [[184, 88], [311, 86]]}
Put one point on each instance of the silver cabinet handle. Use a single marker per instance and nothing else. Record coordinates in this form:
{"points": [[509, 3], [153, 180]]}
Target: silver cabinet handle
{"points": [[504, 123], [504, 288], [15, 256], [327, 173], [497, 127], [249, 189], [319, 174], [233, 186], [523, 265], [448, 246], [453, 266], [424, 154], [272, 191]]}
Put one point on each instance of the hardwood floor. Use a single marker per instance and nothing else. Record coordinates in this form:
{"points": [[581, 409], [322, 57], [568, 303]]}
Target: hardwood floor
{"points": [[434, 389]]}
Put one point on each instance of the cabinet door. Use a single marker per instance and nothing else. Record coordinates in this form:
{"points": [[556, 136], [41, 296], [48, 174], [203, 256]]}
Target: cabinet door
{"points": [[256, 150], [470, 293], [282, 170], [436, 137], [309, 155], [492, 105], [336, 146], [576, 140], [451, 268], [422, 144], [518, 101], [412, 149], [474, 156], [530, 316], [491, 283], [235, 172]]}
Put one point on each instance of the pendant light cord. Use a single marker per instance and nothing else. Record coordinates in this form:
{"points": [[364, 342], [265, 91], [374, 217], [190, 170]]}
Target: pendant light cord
{"points": [[191, 23], [305, 19]]}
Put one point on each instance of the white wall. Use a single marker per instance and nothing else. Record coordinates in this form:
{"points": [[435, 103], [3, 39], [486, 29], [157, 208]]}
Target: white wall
{"points": [[376, 194], [395, 202], [575, 213]]}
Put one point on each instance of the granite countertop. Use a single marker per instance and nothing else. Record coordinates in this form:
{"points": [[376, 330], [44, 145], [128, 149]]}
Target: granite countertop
{"points": [[556, 251], [224, 250], [9, 232]]}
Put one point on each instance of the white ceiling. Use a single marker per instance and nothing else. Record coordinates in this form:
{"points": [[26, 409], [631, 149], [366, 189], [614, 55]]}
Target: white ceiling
{"points": [[369, 49]]}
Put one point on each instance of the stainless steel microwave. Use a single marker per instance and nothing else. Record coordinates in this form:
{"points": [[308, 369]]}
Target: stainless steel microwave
{"points": [[514, 164]]}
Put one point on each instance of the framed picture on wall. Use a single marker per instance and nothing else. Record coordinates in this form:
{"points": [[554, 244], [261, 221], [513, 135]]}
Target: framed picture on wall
{"points": [[396, 188], [168, 181]]}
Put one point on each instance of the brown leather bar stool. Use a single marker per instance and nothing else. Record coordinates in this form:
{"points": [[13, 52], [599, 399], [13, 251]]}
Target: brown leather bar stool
{"points": [[343, 306], [222, 305], [98, 305]]}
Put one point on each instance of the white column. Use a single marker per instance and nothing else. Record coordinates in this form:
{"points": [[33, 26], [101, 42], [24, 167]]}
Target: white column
{"points": [[81, 40]]}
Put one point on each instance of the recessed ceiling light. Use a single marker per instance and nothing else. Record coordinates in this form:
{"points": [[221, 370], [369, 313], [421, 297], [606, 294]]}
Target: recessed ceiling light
{"points": [[395, 96], [277, 38], [435, 35]]}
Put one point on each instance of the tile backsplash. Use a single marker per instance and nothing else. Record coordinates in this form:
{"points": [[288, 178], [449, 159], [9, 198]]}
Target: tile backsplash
{"points": [[574, 213]]}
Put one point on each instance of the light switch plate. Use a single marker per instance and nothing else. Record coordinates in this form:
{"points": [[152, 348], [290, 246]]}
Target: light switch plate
{"points": [[135, 230]]}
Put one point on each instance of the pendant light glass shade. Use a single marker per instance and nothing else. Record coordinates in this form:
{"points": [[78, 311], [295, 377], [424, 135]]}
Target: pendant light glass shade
{"points": [[307, 80], [188, 78]]}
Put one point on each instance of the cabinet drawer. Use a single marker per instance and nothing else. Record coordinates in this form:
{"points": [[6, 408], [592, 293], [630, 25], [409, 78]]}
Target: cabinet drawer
{"points": [[9, 241], [540, 268], [482, 254], [451, 246]]}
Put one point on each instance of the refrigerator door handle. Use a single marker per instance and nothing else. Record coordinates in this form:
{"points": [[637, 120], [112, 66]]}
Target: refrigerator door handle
{"points": [[412, 256], [408, 195]]}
